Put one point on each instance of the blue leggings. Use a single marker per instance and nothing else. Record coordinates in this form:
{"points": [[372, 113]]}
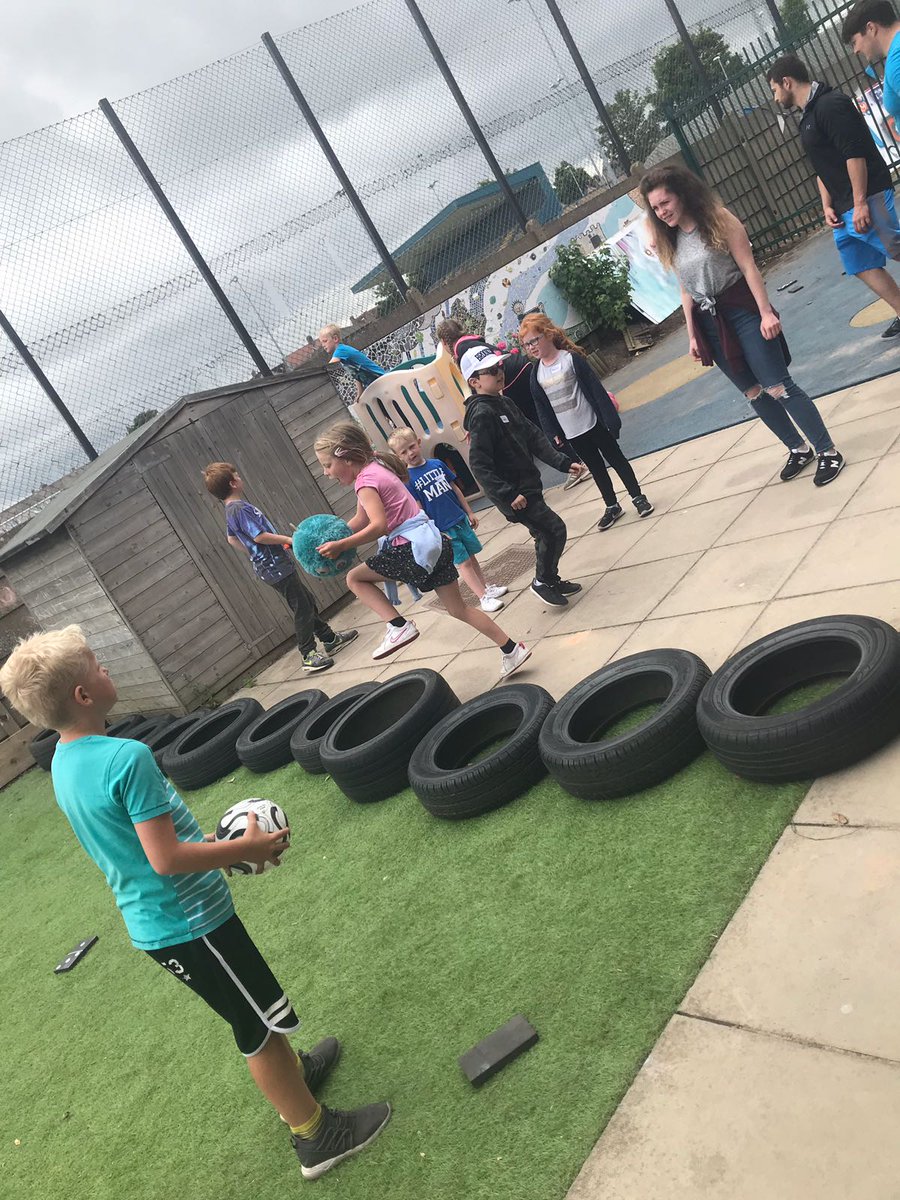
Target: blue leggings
{"points": [[792, 417]]}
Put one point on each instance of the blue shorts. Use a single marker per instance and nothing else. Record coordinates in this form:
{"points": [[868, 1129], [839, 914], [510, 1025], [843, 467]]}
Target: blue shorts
{"points": [[870, 250], [463, 540]]}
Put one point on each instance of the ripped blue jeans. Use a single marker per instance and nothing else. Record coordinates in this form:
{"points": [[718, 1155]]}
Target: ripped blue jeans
{"points": [[782, 406]]}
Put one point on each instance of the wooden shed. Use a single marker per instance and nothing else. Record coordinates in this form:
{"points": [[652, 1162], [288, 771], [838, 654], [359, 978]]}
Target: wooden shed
{"points": [[134, 549]]}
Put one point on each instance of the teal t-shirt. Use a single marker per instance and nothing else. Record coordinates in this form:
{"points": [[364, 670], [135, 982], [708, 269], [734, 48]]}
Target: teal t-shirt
{"points": [[891, 86], [106, 786]]}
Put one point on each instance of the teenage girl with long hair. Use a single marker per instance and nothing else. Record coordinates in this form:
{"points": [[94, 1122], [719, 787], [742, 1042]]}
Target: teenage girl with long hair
{"points": [[729, 316], [573, 406], [411, 549]]}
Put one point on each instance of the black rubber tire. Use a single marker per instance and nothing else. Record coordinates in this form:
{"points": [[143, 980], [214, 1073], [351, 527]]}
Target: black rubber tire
{"points": [[160, 741], [441, 771], [853, 721], [150, 726], [124, 725], [43, 747], [367, 750], [306, 739], [592, 767], [266, 744], [206, 752]]}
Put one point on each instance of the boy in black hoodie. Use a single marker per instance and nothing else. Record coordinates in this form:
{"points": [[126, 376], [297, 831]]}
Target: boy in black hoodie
{"points": [[501, 445]]}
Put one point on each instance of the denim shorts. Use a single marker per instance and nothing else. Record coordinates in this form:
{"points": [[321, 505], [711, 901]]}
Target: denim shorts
{"points": [[870, 250], [463, 540]]}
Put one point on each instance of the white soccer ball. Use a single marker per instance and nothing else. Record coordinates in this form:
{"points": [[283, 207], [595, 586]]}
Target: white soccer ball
{"points": [[271, 817]]}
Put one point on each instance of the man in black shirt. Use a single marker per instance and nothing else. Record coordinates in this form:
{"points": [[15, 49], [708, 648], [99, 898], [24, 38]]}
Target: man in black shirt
{"points": [[854, 181]]}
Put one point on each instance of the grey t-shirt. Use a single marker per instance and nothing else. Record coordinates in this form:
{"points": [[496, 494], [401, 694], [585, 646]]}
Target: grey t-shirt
{"points": [[703, 272], [567, 400]]}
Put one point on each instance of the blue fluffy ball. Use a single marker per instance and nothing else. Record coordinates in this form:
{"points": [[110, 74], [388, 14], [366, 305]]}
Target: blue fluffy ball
{"points": [[313, 532]]}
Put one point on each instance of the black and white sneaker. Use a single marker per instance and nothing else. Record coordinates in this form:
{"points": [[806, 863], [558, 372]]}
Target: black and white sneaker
{"points": [[548, 594], [830, 466], [565, 587], [796, 461], [609, 518], [643, 505], [340, 1135], [893, 329]]}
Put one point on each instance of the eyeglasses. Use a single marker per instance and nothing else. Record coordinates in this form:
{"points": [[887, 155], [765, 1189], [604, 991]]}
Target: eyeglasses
{"points": [[488, 371], [532, 342]]}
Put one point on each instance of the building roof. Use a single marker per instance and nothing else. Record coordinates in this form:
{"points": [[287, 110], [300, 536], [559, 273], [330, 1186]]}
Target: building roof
{"points": [[456, 219]]}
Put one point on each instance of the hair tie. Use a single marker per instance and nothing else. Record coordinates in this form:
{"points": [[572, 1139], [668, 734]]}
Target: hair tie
{"points": [[338, 452]]}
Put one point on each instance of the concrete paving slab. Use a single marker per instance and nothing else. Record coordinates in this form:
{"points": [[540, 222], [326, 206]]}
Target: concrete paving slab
{"points": [[731, 476], [723, 1114], [289, 666], [743, 574], [795, 505], [688, 529], [866, 794], [665, 494], [526, 618], [879, 488], [598, 551], [397, 666], [850, 553], [711, 635], [814, 950], [876, 600], [699, 452], [868, 437], [625, 595]]}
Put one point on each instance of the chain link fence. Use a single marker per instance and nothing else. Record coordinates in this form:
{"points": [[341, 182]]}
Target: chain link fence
{"points": [[98, 285]]}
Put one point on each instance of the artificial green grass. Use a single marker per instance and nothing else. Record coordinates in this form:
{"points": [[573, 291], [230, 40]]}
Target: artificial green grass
{"points": [[407, 937]]}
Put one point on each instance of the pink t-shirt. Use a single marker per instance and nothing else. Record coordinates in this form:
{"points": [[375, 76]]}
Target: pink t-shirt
{"points": [[399, 504]]}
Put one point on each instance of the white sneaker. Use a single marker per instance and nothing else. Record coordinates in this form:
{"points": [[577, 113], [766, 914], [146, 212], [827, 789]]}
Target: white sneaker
{"points": [[396, 636], [489, 603], [495, 590], [512, 661]]}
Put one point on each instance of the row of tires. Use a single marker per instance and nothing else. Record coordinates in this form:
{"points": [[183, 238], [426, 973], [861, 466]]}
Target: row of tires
{"points": [[464, 759]]}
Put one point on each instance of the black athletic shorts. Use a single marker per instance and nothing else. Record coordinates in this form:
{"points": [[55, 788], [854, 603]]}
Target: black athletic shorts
{"points": [[397, 563], [229, 973]]}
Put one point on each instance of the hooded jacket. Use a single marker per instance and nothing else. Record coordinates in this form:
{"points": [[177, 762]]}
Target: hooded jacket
{"points": [[502, 447], [594, 392], [832, 130]]}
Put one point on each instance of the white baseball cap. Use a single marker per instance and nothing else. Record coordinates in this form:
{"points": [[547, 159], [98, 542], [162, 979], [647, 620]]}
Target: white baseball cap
{"points": [[478, 359]]}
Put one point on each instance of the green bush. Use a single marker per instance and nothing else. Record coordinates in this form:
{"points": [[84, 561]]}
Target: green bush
{"points": [[599, 287]]}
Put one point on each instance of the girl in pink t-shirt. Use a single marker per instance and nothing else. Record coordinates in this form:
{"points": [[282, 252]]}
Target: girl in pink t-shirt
{"points": [[383, 506]]}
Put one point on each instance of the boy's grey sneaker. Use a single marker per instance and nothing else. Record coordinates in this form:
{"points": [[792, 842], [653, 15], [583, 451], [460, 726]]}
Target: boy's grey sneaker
{"points": [[340, 641], [574, 480], [893, 329], [566, 588], [340, 1135], [314, 661], [318, 1062], [609, 518], [643, 505], [548, 594], [829, 467], [796, 461]]}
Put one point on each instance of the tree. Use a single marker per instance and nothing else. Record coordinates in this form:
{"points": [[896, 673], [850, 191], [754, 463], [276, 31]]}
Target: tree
{"points": [[571, 183], [796, 17], [387, 294], [634, 119], [598, 287], [142, 418], [674, 72]]}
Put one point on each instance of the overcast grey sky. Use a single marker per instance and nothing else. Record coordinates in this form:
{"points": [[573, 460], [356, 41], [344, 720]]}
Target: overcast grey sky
{"points": [[58, 58]]}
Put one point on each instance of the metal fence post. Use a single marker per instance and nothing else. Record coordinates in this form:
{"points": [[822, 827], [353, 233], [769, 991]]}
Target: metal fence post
{"points": [[186, 240], [467, 113], [778, 20], [335, 163], [695, 58], [590, 88], [49, 390]]}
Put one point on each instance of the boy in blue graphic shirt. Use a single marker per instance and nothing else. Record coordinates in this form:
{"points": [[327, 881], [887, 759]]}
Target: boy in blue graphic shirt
{"points": [[167, 882], [434, 485], [361, 369]]}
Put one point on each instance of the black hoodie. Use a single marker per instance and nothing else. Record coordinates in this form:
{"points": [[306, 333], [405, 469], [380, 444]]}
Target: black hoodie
{"points": [[832, 129], [501, 445]]}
